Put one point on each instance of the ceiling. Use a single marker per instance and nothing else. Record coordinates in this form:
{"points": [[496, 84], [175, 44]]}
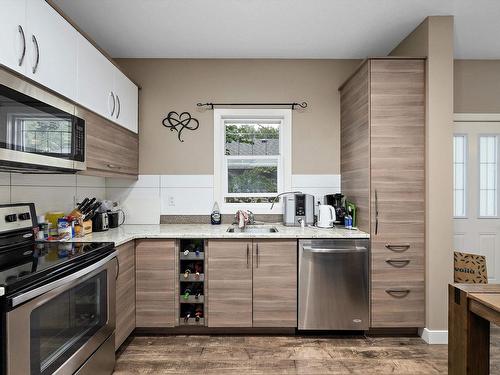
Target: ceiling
{"points": [[278, 28]]}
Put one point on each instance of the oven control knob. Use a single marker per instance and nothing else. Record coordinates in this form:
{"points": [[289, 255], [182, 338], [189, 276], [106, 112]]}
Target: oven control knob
{"points": [[10, 218], [24, 216]]}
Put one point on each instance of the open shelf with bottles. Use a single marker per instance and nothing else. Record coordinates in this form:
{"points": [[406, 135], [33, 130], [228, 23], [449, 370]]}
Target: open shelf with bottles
{"points": [[192, 289]]}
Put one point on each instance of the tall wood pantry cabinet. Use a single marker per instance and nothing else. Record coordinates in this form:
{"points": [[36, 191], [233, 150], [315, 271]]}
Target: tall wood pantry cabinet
{"points": [[383, 173]]}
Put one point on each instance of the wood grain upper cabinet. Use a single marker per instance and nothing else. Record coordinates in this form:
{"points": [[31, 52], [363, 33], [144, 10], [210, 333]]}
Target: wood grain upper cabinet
{"points": [[13, 35], [111, 150], [275, 283], [125, 293], [383, 172], [155, 283], [51, 49], [229, 283]]}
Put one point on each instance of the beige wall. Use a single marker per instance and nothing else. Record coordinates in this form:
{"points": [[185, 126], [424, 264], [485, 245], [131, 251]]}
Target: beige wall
{"points": [[434, 39], [178, 84], [477, 86]]}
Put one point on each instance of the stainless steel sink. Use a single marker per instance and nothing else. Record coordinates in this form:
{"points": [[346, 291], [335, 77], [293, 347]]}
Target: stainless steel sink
{"points": [[253, 229]]}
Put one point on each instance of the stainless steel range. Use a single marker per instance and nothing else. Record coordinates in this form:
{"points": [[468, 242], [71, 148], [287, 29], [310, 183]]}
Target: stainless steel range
{"points": [[57, 301]]}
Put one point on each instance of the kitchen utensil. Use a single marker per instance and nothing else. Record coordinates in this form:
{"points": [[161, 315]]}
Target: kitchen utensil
{"points": [[114, 218], [100, 222], [326, 216], [337, 201]]}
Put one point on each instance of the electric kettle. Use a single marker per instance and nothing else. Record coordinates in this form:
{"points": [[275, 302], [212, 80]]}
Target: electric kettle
{"points": [[326, 216]]}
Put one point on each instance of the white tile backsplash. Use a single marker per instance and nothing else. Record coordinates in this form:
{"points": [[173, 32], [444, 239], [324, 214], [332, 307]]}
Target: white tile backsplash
{"points": [[191, 181], [143, 200], [141, 205], [187, 201], [46, 198], [90, 181], [4, 178], [68, 180], [4, 194], [144, 181]]}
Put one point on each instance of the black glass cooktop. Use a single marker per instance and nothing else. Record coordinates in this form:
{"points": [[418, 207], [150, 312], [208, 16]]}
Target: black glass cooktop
{"points": [[31, 263]]}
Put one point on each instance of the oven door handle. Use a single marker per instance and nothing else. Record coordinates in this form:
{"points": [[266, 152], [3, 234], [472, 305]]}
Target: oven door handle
{"points": [[55, 284]]}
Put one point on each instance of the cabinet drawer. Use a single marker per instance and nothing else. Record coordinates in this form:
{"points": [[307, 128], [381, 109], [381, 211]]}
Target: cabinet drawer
{"points": [[397, 304], [408, 266]]}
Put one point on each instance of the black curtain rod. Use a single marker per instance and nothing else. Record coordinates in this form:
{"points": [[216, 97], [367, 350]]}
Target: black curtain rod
{"points": [[293, 105]]}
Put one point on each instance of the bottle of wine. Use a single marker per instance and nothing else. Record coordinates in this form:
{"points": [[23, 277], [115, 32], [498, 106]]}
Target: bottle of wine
{"points": [[188, 315], [198, 313], [199, 292]]}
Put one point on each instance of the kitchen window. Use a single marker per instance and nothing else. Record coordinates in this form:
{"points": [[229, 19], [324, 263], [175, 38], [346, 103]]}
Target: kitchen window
{"points": [[459, 176], [252, 156], [488, 175]]}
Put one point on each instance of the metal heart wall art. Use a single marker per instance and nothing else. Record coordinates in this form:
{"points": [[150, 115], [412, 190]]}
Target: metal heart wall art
{"points": [[177, 122]]}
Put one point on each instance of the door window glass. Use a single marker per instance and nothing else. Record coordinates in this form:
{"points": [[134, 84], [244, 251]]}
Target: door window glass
{"points": [[62, 325]]}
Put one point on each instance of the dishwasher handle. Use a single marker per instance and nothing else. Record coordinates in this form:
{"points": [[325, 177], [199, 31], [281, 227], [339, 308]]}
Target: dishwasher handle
{"points": [[339, 250]]}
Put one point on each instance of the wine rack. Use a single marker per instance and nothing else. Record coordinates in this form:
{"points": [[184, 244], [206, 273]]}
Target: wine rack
{"points": [[192, 288]]}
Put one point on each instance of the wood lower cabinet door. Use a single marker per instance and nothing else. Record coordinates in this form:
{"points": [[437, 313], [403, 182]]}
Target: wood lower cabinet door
{"points": [[229, 277], [155, 283], [275, 283], [125, 293]]}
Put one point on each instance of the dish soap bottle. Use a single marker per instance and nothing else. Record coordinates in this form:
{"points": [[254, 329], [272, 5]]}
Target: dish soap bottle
{"points": [[215, 217]]}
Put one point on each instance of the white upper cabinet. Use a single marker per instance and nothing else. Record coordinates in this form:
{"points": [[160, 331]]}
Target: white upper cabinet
{"points": [[13, 35], [126, 96], [95, 82], [36, 41], [51, 51]]}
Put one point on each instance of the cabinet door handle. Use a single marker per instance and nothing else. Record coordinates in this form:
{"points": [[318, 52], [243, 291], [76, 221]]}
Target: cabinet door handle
{"points": [[398, 292], [399, 263], [112, 96], [257, 252], [35, 43], [248, 255], [398, 248], [376, 212], [118, 105], [117, 268], [23, 53], [112, 166]]}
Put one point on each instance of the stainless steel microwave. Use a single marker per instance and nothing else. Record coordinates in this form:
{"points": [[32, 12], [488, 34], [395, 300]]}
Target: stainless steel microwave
{"points": [[39, 132]]}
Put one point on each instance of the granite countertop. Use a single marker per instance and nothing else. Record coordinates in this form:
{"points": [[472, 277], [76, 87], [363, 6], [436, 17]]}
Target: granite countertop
{"points": [[130, 232]]}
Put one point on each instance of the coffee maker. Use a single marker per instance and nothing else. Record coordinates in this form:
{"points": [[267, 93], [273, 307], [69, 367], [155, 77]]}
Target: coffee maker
{"points": [[337, 201]]}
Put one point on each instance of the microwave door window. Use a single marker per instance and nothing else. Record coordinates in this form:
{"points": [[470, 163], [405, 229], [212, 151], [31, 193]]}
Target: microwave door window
{"points": [[39, 134]]}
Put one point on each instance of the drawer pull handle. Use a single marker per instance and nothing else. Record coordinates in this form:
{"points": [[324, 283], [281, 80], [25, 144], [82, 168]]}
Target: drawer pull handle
{"points": [[399, 263], [112, 166], [397, 292], [399, 248]]}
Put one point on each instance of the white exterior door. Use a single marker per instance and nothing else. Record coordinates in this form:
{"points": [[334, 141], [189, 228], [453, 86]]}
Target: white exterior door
{"points": [[477, 190], [13, 35]]}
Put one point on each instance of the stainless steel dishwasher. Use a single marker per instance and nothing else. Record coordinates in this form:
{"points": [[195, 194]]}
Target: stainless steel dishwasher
{"points": [[333, 284]]}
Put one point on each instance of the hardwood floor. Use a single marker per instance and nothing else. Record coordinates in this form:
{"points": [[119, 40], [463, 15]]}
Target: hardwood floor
{"points": [[243, 355]]}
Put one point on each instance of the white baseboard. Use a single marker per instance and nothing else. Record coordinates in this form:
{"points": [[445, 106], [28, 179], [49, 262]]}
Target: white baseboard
{"points": [[434, 336]]}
